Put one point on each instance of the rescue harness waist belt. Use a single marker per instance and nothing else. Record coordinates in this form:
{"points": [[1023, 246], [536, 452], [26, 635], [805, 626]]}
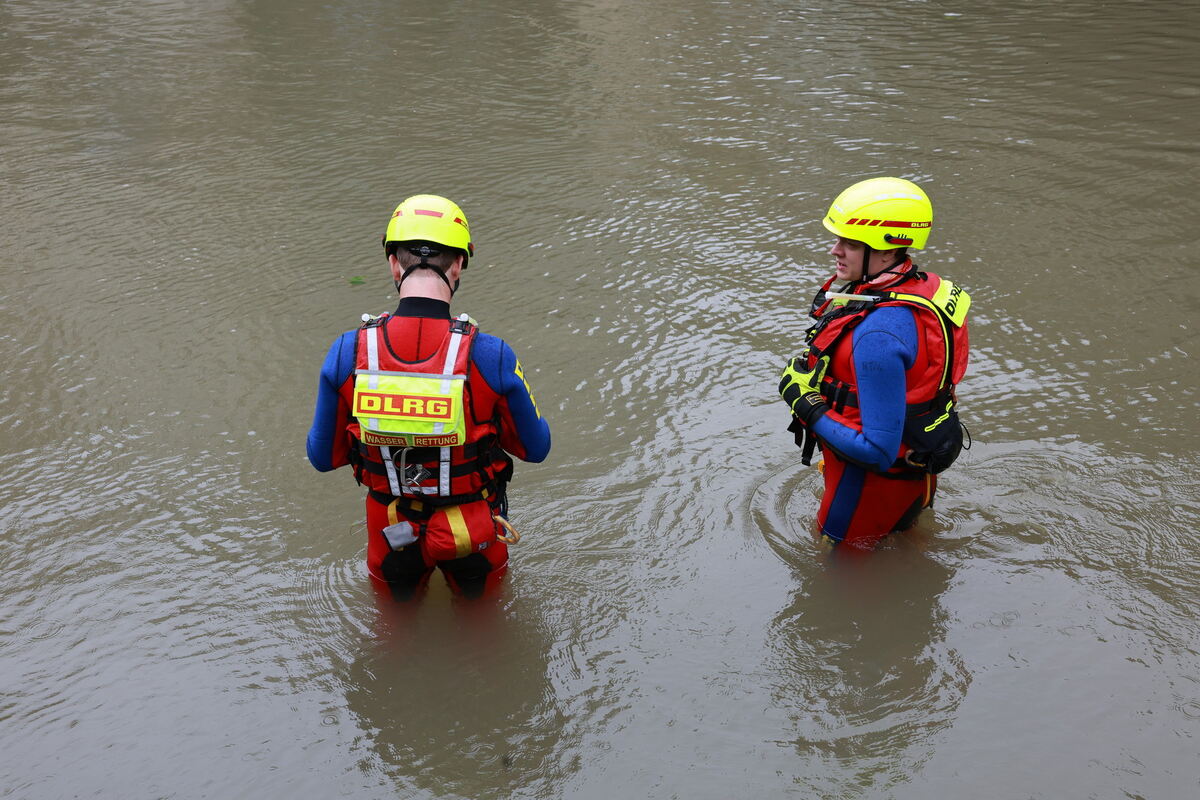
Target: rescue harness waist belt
{"points": [[420, 509], [485, 450], [839, 395]]}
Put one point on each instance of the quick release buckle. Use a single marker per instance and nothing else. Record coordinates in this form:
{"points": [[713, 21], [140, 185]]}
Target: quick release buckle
{"points": [[411, 475]]}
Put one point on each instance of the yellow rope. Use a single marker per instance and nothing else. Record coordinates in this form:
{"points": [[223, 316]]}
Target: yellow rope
{"points": [[510, 535]]}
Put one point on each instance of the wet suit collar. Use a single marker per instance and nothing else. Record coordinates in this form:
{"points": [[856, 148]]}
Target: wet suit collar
{"points": [[423, 307]]}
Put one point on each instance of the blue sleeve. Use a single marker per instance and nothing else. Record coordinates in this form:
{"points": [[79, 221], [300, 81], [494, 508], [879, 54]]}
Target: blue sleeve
{"points": [[326, 445], [524, 432], [884, 347]]}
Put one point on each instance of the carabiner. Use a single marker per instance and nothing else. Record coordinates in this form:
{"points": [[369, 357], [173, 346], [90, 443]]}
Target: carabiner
{"points": [[510, 535], [419, 475]]}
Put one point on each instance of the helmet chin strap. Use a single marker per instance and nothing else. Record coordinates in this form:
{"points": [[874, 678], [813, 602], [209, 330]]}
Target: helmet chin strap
{"points": [[866, 262], [426, 265], [866, 278], [424, 251]]}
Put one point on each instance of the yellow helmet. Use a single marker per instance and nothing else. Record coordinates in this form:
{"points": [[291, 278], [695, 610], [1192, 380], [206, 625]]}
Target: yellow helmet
{"points": [[886, 213], [430, 218]]}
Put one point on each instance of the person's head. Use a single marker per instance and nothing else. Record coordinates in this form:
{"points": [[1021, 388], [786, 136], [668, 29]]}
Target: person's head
{"points": [[876, 221], [428, 242]]}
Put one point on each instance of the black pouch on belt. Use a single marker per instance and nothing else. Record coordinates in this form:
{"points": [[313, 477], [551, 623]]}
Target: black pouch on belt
{"points": [[935, 436]]}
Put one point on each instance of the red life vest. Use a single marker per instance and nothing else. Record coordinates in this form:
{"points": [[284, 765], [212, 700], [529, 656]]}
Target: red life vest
{"points": [[431, 476], [940, 363]]}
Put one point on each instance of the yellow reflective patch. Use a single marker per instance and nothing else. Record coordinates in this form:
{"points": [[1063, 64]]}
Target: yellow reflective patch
{"points": [[409, 410], [368, 436], [528, 389], [458, 527], [953, 301], [402, 406]]}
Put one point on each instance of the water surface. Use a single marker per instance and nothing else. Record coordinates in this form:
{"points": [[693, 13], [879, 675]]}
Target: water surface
{"points": [[190, 194]]}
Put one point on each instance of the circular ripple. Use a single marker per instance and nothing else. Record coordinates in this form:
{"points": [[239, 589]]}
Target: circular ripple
{"points": [[781, 508]]}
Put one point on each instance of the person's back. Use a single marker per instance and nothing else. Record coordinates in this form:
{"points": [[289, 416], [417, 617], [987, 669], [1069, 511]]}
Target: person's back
{"points": [[428, 409]]}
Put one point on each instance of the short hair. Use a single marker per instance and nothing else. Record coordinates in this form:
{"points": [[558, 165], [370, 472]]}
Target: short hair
{"points": [[442, 261]]}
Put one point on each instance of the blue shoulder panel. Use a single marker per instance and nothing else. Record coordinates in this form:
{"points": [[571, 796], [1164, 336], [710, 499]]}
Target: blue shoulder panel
{"points": [[338, 367], [499, 367], [884, 348]]}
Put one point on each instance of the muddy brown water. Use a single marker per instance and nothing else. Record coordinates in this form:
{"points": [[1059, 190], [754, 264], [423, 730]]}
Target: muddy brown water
{"points": [[191, 196]]}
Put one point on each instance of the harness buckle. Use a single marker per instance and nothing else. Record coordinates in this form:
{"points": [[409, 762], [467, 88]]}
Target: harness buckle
{"points": [[411, 475]]}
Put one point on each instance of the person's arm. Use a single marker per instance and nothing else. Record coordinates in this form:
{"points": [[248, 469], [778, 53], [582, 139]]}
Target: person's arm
{"points": [[884, 348], [328, 446], [524, 432]]}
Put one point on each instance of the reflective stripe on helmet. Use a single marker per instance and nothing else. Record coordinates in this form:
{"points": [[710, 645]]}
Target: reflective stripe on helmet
{"points": [[888, 223], [430, 218], [865, 210]]}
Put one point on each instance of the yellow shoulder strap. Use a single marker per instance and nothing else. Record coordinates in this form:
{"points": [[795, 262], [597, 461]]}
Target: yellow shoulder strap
{"points": [[953, 302], [949, 299]]}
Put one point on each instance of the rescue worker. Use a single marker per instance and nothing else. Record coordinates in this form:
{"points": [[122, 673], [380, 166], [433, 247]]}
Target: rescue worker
{"points": [[427, 410], [874, 387]]}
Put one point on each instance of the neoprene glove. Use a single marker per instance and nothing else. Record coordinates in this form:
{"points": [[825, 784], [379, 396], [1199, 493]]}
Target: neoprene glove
{"points": [[800, 388]]}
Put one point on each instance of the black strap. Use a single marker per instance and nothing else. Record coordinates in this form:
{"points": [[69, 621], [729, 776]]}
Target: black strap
{"points": [[425, 265], [805, 440], [471, 451], [422, 507], [810, 445], [477, 458], [456, 470], [839, 396]]}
